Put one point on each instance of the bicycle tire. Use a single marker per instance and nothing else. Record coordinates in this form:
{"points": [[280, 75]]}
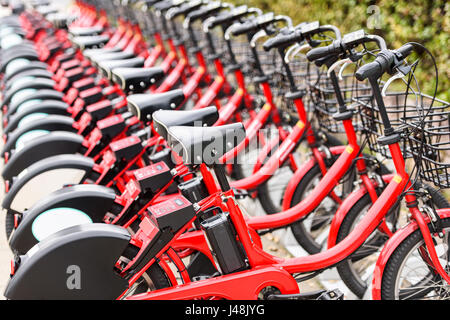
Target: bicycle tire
{"points": [[9, 223], [154, 273], [301, 235], [397, 259], [263, 192], [344, 268]]}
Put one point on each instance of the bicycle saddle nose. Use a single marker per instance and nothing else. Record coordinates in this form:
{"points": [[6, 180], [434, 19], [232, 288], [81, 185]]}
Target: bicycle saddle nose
{"points": [[197, 145], [144, 105], [164, 119], [120, 55], [87, 42], [88, 53], [137, 79], [107, 66], [85, 31]]}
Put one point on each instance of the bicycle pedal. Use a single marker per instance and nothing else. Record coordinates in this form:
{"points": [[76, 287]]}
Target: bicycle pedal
{"points": [[313, 295], [240, 194], [335, 294], [205, 277]]}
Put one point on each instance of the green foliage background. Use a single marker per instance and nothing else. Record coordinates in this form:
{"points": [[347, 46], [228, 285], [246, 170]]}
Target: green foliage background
{"points": [[423, 21]]}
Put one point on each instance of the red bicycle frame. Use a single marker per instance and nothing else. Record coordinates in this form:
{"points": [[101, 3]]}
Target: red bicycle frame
{"points": [[276, 269]]}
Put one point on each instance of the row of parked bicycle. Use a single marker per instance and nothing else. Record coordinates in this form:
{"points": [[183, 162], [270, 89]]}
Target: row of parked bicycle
{"points": [[113, 192]]}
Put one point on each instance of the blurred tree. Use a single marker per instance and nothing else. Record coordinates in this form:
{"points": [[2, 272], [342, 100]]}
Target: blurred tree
{"points": [[400, 21]]}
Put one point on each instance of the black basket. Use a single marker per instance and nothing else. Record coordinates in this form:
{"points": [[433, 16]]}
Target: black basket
{"points": [[400, 106], [428, 140], [269, 61], [323, 102], [302, 71]]}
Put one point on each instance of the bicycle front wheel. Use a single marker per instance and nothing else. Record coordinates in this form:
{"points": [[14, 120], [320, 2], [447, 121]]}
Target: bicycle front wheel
{"points": [[409, 276]]}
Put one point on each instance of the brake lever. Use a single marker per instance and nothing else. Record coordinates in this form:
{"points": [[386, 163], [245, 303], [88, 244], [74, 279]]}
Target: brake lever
{"points": [[261, 33], [228, 31], [294, 50], [341, 71], [258, 11], [337, 64], [206, 24], [287, 19], [396, 76]]}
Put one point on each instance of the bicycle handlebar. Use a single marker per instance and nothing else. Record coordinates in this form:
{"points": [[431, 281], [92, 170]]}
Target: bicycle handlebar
{"points": [[203, 13], [184, 9], [322, 52], [259, 23], [228, 17], [283, 40], [340, 46], [163, 6], [385, 61], [298, 34]]}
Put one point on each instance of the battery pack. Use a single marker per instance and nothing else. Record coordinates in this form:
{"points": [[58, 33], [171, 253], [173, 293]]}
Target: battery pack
{"points": [[163, 155], [224, 247], [126, 148], [91, 95], [111, 126], [153, 177], [173, 214], [84, 84], [100, 110], [194, 189], [153, 241]]}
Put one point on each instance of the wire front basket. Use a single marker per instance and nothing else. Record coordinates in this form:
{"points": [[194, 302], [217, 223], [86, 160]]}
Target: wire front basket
{"points": [[270, 61], [400, 106], [428, 140], [301, 70], [323, 101]]}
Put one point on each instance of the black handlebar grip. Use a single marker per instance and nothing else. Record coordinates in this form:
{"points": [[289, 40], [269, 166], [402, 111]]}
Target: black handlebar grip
{"points": [[229, 17], [369, 70], [327, 61], [221, 19], [405, 50], [282, 40], [203, 13], [322, 52], [243, 28], [382, 63], [164, 5], [186, 8]]}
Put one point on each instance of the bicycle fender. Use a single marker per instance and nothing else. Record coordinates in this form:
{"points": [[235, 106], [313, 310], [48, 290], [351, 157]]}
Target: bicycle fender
{"points": [[44, 94], [22, 46], [300, 173], [64, 161], [34, 72], [48, 123], [92, 200], [33, 65], [54, 143], [24, 54], [45, 272], [37, 83], [53, 107], [390, 247]]}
